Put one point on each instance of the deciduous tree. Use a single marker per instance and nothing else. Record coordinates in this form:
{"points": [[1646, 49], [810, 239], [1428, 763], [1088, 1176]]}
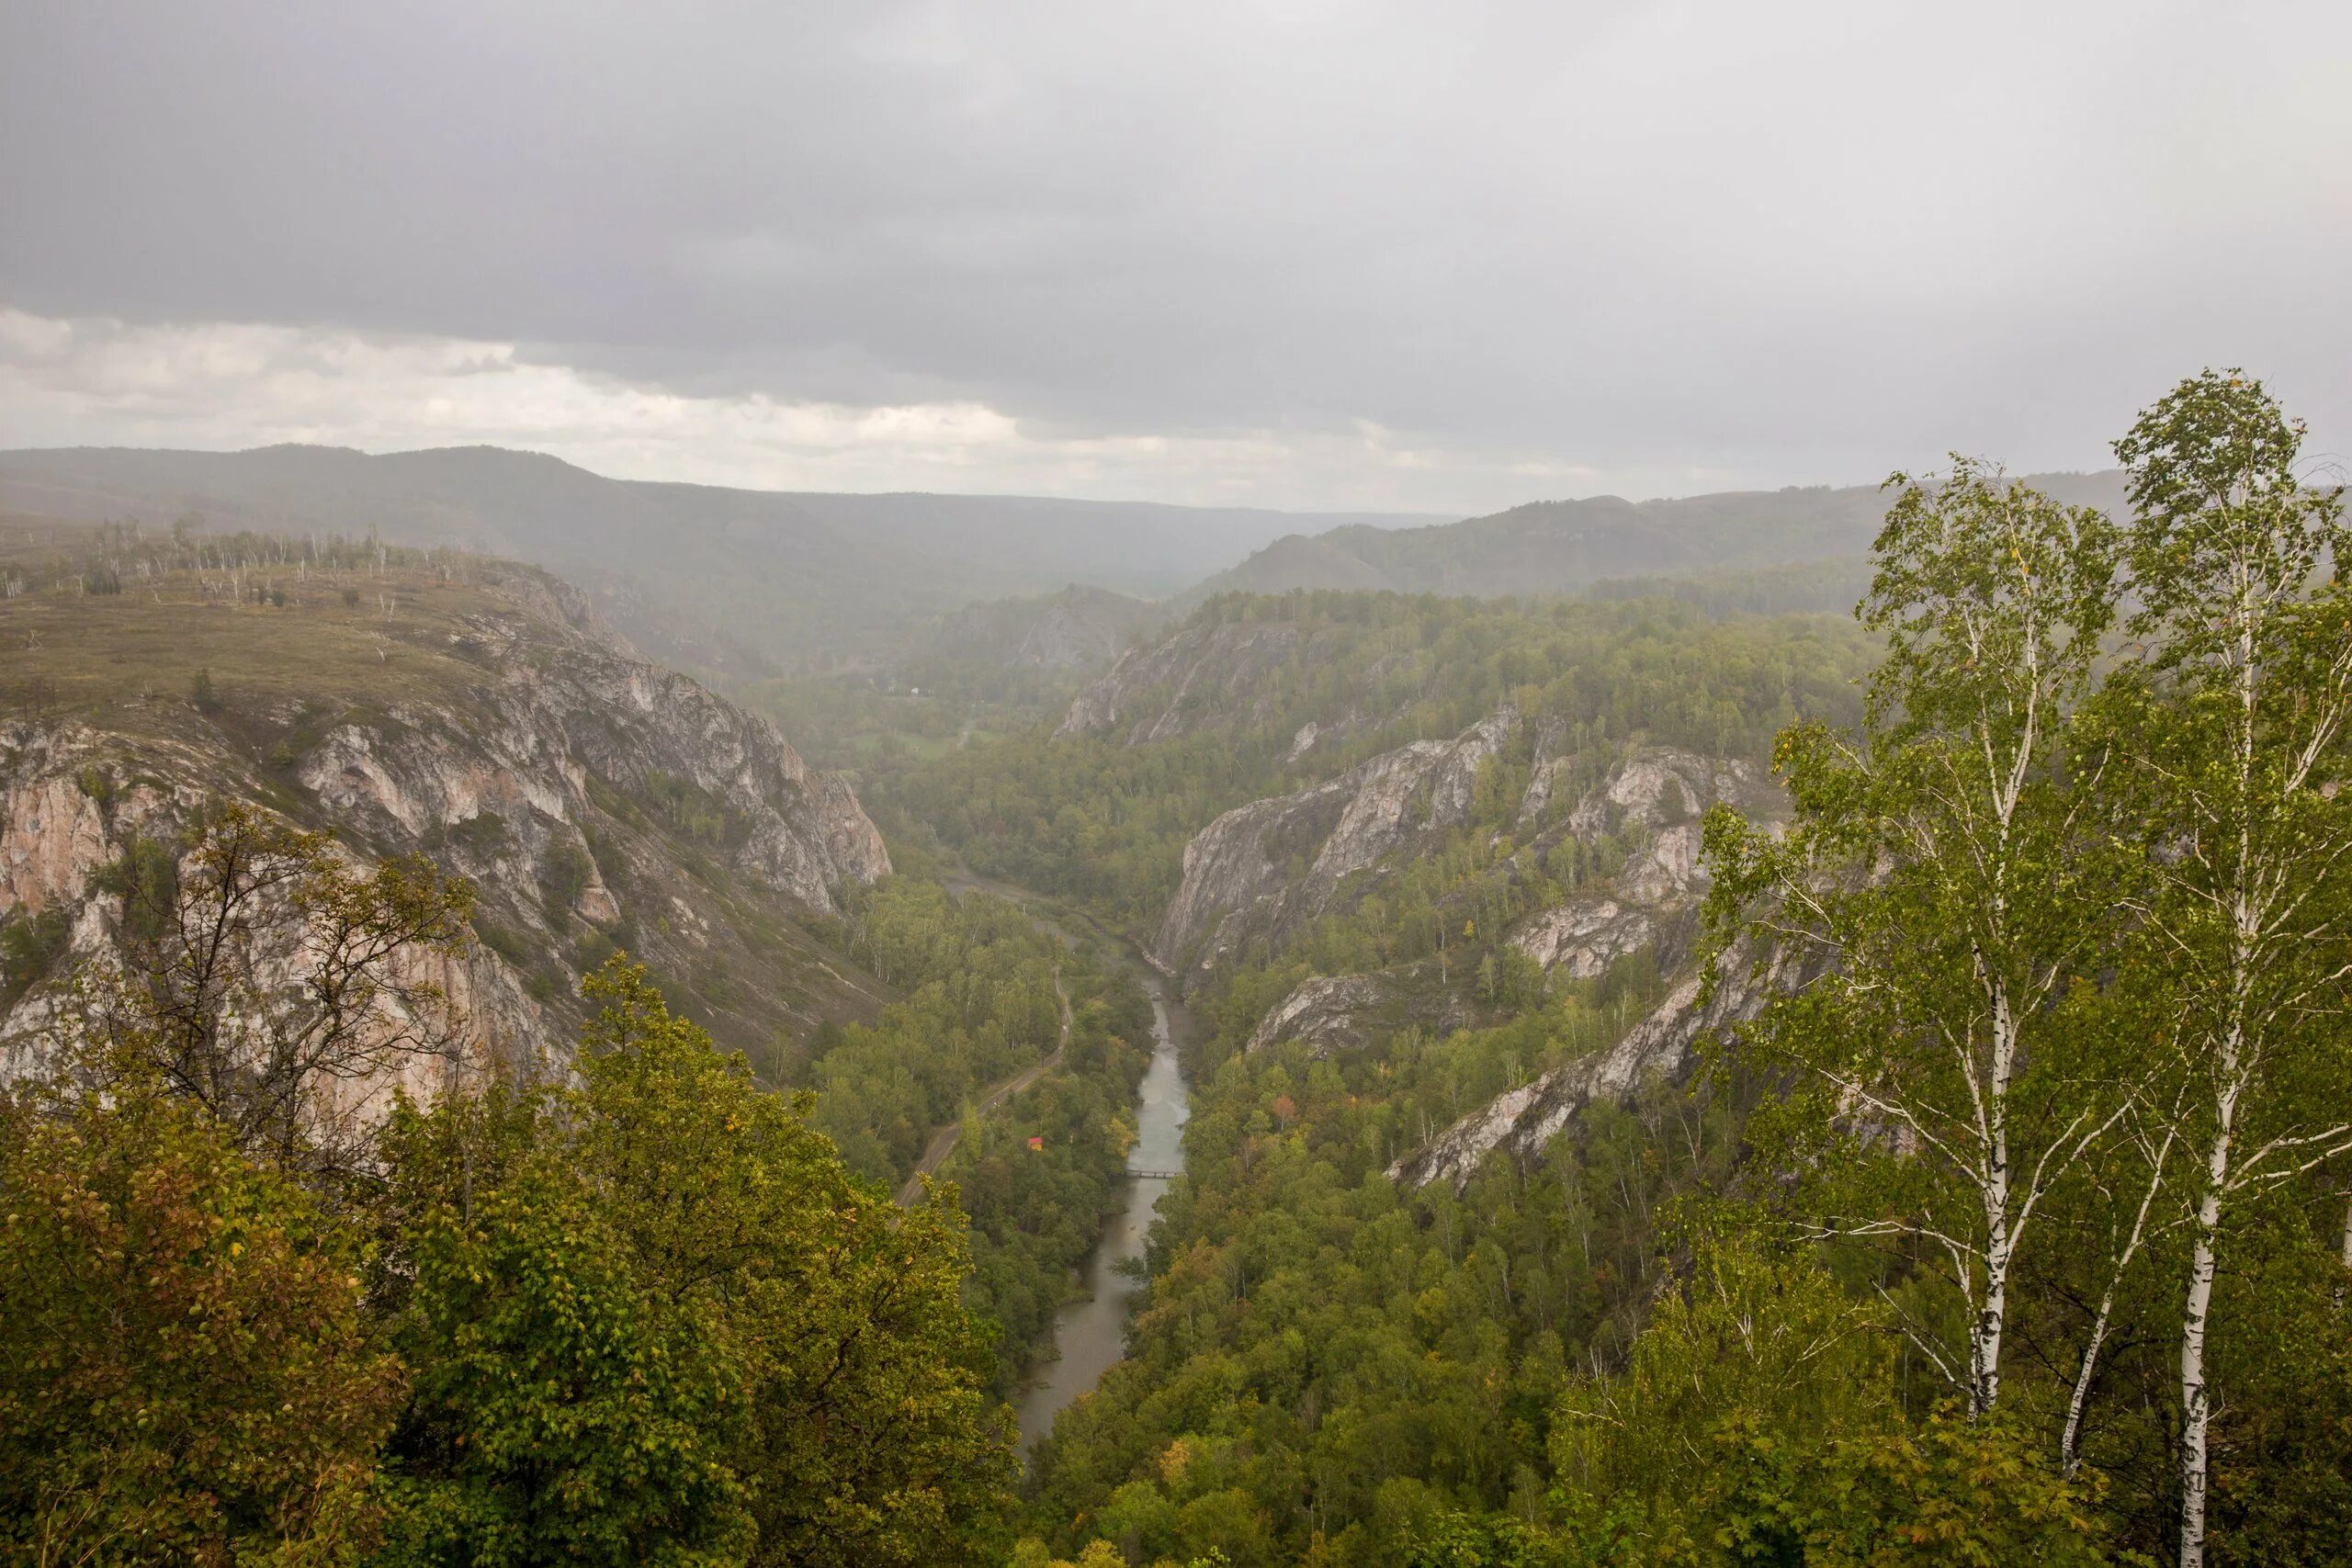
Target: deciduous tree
{"points": [[1940, 866], [2234, 722], [186, 1373]]}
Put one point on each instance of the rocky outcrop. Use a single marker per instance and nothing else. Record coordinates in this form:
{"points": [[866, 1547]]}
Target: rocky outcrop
{"points": [[529, 746], [1583, 938], [1212, 675], [1663, 786], [73, 800], [1260, 873], [1261, 869], [1077, 628], [1654, 799], [595, 801], [1062, 638], [1661, 1047], [1328, 1013], [52, 838]]}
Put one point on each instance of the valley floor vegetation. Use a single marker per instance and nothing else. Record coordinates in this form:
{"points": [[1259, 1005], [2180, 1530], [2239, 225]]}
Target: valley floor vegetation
{"points": [[2015, 1227]]}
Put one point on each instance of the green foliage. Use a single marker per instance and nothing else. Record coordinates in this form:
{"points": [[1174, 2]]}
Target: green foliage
{"points": [[1771, 1343], [185, 1370], [1951, 1069], [564, 870], [1951, 1493], [655, 1319], [145, 877], [1755, 1422], [686, 809], [979, 1005], [1034, 1214], [563, 1411], [871, 1441], [1323, 1353], [483, 833], [985, 988], [2234, 726], [30, 946], [96, 783], [1472, 1540]]}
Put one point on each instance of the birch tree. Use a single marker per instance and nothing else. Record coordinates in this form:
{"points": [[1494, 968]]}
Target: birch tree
{"points": [[2233, 721], [1937, 871]]}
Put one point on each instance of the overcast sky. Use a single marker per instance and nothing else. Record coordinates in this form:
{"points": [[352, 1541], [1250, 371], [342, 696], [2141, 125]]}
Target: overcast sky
{"points": [[1439, 256]]}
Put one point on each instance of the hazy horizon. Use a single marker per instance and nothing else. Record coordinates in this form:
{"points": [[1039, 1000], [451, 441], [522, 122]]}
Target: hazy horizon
{"points": [[1307, 259], [1406, 518]]}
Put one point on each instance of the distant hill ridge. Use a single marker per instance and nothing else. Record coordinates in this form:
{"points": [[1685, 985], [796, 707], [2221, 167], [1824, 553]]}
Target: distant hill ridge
{"points": [[1553, 546], [703, 575]]}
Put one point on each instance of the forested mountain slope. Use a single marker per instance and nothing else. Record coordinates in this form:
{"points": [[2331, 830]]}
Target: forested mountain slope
{"points": [[1078, 628], [704, 577], [1556, 1192], [1254, 697], [1558, 547], [1411, 857], [469, 739]]}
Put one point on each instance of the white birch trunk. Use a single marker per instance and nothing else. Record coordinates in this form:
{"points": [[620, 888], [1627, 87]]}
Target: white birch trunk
{"points": [[1992, 1316], [2196, 1398]]}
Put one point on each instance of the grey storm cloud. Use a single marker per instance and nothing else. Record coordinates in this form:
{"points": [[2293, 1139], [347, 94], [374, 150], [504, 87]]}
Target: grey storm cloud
{"points": [[1675, 246]]}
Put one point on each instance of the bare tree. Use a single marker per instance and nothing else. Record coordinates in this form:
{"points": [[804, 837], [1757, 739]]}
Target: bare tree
{"points": [[267, 977]]}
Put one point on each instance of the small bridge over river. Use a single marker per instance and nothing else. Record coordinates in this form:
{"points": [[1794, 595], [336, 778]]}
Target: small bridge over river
{"points": [[1156, 1175]]}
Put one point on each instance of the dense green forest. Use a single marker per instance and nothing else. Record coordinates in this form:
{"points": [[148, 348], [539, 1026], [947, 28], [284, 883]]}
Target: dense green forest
{"points": [[983, 989], [644, 1315]]}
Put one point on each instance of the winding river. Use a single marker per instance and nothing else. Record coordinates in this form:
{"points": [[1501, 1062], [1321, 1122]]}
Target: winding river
{"points": [[1090, 1332]]}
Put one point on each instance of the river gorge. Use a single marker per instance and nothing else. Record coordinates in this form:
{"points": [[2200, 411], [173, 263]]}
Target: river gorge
{"points": [[1090, 1332]]}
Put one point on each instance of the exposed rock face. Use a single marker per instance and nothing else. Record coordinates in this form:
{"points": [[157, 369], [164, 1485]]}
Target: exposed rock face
{"points": [[51, 840], [591, 797], [1326, 1013], [1660, 787], [1582, 939], [1063, 640], [530, 747], [65, 816], [1655, 798], [1259, 871], [1204, 676], [1262, 869], [1660, 1048]]}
